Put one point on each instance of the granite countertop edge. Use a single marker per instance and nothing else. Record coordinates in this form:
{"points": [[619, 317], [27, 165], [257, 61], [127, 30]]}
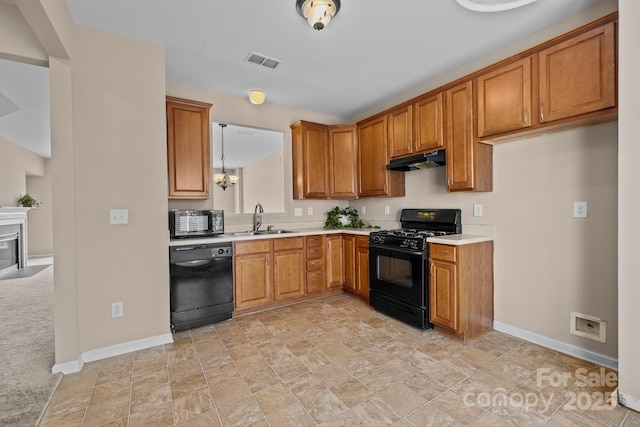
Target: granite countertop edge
{"points": [[459, 239]]}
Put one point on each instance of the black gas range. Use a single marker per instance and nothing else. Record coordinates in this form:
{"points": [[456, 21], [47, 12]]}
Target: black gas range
{"points": [[398, 266]]}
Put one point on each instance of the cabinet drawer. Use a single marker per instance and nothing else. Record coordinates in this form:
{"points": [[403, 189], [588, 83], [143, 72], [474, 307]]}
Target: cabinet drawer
{"points": [[315, 253], [256, 246], [288, 243], [315, 264], [315, 278], [314, 241], [442, 252]]}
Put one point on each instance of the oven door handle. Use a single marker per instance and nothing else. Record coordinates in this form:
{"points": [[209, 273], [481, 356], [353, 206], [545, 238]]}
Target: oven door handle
{"points": [[387, 248]]}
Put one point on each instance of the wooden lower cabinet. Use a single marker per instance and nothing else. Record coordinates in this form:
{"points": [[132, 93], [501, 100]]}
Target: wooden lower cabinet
{"points": [[356, 264], [288, 268], [334, 261], [315, 263], [268, 270], [252, 273], [362, 266], [461, 288]]}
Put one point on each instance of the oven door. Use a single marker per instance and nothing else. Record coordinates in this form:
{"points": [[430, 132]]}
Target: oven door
{"points": [[399, 274]]}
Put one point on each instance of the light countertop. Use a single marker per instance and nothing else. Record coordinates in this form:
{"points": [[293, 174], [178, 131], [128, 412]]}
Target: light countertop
{"points": [[459, 239], [229, 237]]}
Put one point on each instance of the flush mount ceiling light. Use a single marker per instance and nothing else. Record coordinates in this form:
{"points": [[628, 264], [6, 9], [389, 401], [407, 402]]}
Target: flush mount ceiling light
{"points": [[318, 12], [492, 5], [256, 96]]}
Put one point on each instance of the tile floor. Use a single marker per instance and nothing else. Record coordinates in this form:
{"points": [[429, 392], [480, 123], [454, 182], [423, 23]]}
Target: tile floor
{"points": [[336, 362]]}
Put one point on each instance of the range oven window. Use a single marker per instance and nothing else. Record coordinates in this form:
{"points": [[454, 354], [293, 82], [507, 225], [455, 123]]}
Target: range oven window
{"points": [[398, 274], [396, 271]]}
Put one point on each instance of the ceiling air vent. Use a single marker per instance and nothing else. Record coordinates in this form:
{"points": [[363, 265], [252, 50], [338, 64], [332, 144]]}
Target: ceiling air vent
{"points": [[260, 59]]}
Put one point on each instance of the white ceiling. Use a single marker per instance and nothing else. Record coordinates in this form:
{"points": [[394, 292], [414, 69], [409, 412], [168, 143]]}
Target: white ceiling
{"points": [[371, 51]]}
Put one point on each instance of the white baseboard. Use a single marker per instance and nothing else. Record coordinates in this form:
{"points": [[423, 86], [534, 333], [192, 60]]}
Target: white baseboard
{"points": [[68, 367], [629, 401], [570, 349], [110, 351]]}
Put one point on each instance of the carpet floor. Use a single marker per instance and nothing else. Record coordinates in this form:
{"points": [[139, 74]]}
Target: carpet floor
{"points": [[27, 348]]}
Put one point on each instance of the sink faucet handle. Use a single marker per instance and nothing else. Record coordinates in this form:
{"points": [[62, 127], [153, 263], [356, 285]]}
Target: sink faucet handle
{"points": [[269, 227]]}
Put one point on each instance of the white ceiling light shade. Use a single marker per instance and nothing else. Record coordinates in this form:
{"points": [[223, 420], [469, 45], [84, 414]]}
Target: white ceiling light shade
{"points": [[318, 12], [492, 5], [256, 96]]}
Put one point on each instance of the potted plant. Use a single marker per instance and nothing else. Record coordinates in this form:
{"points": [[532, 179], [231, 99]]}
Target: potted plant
{"points": [[344, 218], [26, 201]]}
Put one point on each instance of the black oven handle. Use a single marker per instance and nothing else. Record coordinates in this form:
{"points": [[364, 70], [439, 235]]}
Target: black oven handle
{"points": [[387, 248]]}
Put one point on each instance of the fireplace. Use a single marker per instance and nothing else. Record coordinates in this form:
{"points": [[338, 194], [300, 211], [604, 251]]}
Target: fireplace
{"points": [[13, 239]]}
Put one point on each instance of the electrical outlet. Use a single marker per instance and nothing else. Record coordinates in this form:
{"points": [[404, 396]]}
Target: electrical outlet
{"points": [[363, 211], [386, 209], [117, 309], [477, 210], [579, 209], [118, 216], [310, 211]]}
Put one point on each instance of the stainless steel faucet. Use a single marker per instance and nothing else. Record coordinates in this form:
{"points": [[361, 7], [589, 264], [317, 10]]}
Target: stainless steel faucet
{"points": [[257, 217]]}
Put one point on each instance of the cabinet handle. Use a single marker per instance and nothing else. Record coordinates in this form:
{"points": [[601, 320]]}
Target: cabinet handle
{"points": [[542, 111], [384, 187], [526, 117]]}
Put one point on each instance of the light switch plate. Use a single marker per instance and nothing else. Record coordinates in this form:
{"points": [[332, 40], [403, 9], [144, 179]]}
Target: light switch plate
{"points": [[386, 209], [118, 216], [297, 212], [477, 210]]}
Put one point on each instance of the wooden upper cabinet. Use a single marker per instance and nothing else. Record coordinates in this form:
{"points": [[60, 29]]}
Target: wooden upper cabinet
{"points": [[459, 137], [504, 99], [310, 146], [400, 124], [578, 76], [343, 162], [469, 163], [428, 124], [188, 148], [373, 156]]}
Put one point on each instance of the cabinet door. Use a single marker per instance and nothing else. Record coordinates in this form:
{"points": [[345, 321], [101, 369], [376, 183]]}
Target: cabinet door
{"points": [[459, 137], [350, 273], [443, 295], [252, 280], [400, 127], [504, 99], [373, 156], [362, 263], [188, 148], [335, 261], [578, 76], [310, 153], [428, 124], [288, 274], [343, 162]]}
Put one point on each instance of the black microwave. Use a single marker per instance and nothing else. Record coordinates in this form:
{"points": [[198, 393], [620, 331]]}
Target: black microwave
{"points": [[195, 223]]}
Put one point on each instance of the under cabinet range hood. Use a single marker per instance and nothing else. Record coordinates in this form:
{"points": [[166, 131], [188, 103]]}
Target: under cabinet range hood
{"points": [[418, 161]]}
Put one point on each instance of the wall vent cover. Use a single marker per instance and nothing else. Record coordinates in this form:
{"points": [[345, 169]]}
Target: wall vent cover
{"points": [[586, 326], [260, 59]]}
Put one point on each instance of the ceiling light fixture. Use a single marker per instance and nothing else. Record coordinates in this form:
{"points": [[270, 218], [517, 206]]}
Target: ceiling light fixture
{"points": [[318, 12], [492, 5], [222, 179], [256, 96]]}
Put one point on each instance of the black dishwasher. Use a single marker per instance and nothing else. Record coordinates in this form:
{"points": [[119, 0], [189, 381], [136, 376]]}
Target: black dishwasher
{"points": [[201, 284]]}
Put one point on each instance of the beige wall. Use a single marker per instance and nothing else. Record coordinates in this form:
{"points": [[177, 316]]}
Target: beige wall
{"points": [[629, 203], [40, 221], [17, 40], [266, 186], [15, 164], [120, 162]]}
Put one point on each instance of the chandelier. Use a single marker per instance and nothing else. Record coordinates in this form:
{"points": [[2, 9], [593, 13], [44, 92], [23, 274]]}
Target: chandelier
{"points": [[222, 179], [318, 13]]}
